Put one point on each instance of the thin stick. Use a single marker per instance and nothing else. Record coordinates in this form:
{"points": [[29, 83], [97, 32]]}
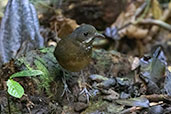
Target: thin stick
{"points": [[9, 108]]}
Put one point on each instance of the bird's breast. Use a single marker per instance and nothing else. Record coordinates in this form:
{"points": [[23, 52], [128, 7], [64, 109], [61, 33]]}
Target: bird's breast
{"points": [[73, 56]]}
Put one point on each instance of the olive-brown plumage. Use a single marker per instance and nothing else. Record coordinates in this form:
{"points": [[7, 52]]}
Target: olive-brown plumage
{"points": [[74, 52]]}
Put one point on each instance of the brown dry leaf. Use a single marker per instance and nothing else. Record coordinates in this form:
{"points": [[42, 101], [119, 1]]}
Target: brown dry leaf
{"points": [[125, 17], [62, 25], [68, 27], [131, 31], [134, 32], [156, 9]]}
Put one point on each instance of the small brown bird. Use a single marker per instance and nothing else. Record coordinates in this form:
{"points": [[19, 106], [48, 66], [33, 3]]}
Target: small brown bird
{"points": [[74, 52]]}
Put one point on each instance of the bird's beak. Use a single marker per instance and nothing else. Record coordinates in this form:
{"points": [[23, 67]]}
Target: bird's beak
{"points": [[98, 35]]}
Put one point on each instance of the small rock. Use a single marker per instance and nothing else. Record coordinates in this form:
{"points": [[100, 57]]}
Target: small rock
{"points": [[98, 78], [112, 95], [107, 83], [124, 95], [80, 106]]}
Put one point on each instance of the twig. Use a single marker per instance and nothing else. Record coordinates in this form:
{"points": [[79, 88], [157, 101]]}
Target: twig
{"points": [[139, 11], [148, 2], [156, 22], [157, 97], [129, 110], [9, 108]]}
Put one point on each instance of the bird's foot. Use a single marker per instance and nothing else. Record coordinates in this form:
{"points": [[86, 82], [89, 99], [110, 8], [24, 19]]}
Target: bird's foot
{"points": [[66, 89], [87, 93]]}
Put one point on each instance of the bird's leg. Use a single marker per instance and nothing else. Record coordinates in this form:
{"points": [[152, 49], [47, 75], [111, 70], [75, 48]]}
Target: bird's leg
{"points": [[83, 84], [66, 90]]}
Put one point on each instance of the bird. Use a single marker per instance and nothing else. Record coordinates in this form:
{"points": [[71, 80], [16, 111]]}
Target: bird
{"points": [[73, 52]]}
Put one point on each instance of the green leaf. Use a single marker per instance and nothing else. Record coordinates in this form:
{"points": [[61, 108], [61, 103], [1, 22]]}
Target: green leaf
{"points": [[22, 60], [39, 64], [15, 89], [44, 50], [27, 73]]}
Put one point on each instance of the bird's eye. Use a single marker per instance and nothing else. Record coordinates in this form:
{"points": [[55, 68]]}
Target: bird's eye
{"points": [[86, 34]]}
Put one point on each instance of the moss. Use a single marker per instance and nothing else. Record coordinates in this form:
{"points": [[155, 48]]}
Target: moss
{"points": [[99, 106]]}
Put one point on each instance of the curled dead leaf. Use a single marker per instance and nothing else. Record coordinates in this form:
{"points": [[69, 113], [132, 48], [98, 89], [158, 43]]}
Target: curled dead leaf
{"points": [[134, 32]]}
